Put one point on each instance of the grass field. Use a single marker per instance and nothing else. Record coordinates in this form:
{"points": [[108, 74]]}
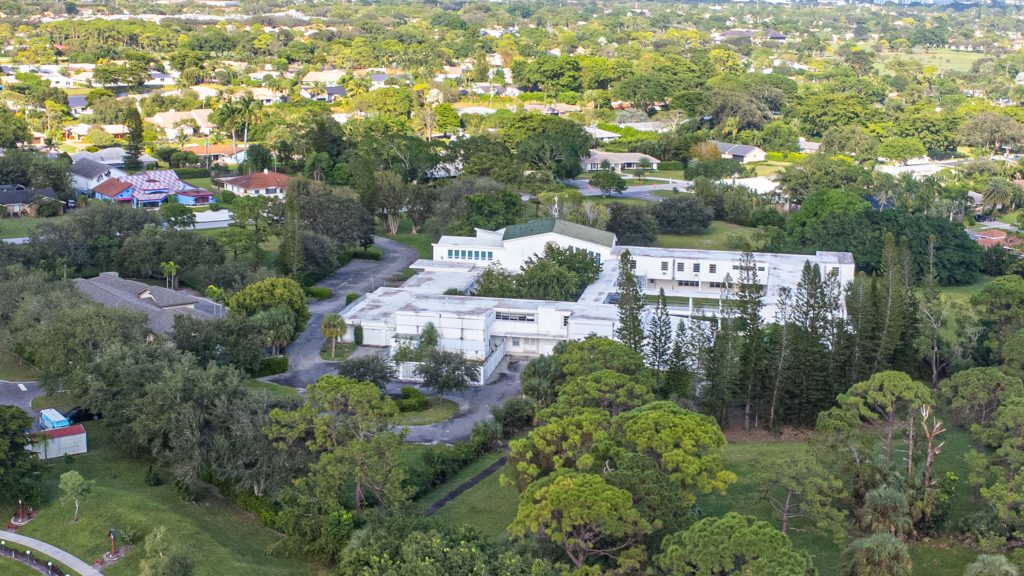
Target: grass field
{"points": [[204, 183], [13, 368], [964, 293], [942, 58], [422, 242], [488, 507], [10, 567], [21, 227], [220, 538], [341, 351], [274, 390], [719, 236], [769, 167], [439, 410], [455, 481]]}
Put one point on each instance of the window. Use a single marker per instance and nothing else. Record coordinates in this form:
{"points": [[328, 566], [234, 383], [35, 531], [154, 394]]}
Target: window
{"points": [[476, 255], [760, 268], [463, 254], [664, 266], [650, 282], [565, 320], [696, 268], [688, 283], [712, 268], [681, 267], [512, 317], [450, 253], [735, 266], [490, 255], [717, 284], [835, 270], [632, 264]]}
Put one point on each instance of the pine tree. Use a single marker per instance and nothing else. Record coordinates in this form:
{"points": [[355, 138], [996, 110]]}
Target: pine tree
{"points": [[780, 351], [862, 310], [678, 379], [723, 366], [133, 145], [749, 303], [293, 258], [808, 389], [659, 336], [631, 304], [895, 297]]}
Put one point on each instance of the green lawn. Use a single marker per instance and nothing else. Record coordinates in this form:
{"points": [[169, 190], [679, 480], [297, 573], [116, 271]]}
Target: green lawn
{"points": [[964, 293], [341, 351], [60, 402], [274, 390], [204, 183], [271, 248], [439, 410], [614, 198], [461, 476], [13, 368], [422, 242], [942, 58], [488, 507], [23, 226], [220, 538], [719, 236], [10, 567], [769, 167]]}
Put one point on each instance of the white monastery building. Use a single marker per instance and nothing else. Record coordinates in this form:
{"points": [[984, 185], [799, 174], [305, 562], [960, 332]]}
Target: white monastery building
{"points": [[487, 329]]}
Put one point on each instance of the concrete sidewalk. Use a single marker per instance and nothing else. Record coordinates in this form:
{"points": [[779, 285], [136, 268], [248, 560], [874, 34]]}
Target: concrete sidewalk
{"points": [[57, 554]]}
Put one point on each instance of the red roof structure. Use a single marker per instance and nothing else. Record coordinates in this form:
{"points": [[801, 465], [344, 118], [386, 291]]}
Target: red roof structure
{"points": [[258, 180], [74, 430], [111, 188]]}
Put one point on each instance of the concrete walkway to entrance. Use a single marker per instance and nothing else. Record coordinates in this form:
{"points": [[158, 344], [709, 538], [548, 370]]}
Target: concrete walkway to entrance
{"points": [[57, 554]]}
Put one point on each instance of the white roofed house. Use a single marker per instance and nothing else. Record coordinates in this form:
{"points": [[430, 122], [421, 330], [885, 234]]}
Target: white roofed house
{"points": [[742, 153], [617, 161], [328, 77], [601, 135], [188, 122]]}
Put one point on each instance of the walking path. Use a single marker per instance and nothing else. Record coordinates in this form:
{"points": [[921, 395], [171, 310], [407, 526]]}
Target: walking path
{"points": [[57, 554], [433, 508]]}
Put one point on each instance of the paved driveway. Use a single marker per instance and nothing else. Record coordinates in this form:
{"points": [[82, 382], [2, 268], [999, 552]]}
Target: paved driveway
{"points": [[638, 192], [474, 405], [304, 362], [20, 394]]}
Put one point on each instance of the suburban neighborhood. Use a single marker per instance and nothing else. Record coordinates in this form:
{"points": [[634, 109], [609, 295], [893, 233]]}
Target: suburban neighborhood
{"points": [[596, 288]]}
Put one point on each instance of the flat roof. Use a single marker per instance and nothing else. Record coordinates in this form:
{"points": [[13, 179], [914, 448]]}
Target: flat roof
{"points": [[764, 257], [490, 241]]}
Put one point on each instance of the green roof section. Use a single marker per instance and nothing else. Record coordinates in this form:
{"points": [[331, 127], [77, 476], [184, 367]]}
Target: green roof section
{"points": [[563, 227]]}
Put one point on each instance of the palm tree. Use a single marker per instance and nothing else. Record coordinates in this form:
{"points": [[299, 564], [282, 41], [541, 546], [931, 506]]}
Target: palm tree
{"points": [[226, 117], [333, 327], [998, 193], [250, 111], [170, 271]]}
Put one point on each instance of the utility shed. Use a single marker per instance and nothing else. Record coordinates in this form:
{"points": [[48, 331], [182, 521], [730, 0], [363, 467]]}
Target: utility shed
{"points": [[60, 442]]}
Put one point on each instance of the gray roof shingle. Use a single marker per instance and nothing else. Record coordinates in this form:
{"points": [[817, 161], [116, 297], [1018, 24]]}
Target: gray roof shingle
{"points": [[563, 227]]}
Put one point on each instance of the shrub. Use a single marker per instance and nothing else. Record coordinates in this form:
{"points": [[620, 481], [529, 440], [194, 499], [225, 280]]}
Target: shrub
{"points": [[48, 209], [319, 292], [453, 292], [152, 477], [514, 415], [271, 366], [439, 463], [357, 334], [351, 297], [368, 254], [184, 173], [226, 197], [413, 400]]}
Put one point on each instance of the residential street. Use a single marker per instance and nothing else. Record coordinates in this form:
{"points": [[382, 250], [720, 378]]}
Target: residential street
{"points": [[362, 276], [19, 394], [639, 192]]}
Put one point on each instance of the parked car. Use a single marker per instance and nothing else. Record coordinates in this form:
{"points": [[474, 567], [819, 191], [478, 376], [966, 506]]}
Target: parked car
{"points": [[982, 218], [77, 415], [71, 204]]}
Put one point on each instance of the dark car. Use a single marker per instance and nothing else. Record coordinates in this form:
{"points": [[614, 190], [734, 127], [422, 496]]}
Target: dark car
{"points": [[71, 204], [78, 415], [982, 218]]}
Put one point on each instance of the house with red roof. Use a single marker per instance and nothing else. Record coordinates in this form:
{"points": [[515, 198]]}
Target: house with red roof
{"points": [[264, 183], [151, 189]]}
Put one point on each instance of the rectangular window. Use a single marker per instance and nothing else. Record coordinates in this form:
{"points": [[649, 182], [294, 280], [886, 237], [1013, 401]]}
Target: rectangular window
{"points": [[490, 255], [835, 270], [735, 266], [514, 317], [712, 268], [476, 255], [688, 283], [449, 254], [463, 254], [696, 267], [717, 284], [760, 268], [565, 320], [681, 267], [664, 266]]}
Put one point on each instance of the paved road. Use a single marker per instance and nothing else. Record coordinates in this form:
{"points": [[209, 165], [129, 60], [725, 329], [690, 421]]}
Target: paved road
{"points": [[474, 405], [72, 562], [304, 362], [12, 394], [639, 192]]}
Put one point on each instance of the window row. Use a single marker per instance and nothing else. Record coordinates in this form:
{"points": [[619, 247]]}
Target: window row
{"points": [[515, 317], [470, 255]]}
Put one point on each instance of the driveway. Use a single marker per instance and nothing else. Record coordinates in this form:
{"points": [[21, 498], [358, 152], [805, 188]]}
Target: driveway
{"points": [[20, 394], [638, 192], [475, 405], [304, 362]]}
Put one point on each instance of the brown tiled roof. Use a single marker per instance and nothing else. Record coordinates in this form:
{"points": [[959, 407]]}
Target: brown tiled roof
{"points": [[258, 180], [221, 149], [111, 188]]}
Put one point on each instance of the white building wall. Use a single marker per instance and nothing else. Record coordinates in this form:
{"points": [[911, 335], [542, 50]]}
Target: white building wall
{"points": [[518, 250], [59, 447]]}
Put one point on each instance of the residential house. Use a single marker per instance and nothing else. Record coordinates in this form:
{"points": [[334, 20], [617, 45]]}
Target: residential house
{"points": [[159, 79], [268, 96], [225, 152], [652, 126], [113, 157], [806, 146], [494, 89], [20, 201], [616, 161], [328, 94], [86, 174], [601, 135], [481, 110], [150, 189], [174, 122], [556, 109], [264, 183], [78, 132], [161, 305], [742, 153], [78, 105], [327, 77]]}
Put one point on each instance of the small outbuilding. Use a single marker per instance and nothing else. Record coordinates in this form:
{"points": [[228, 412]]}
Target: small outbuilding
{"points": [[60, 442]]}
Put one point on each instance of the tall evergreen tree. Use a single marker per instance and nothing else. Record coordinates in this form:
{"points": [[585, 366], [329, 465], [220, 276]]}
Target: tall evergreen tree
{"points": [[678, 380], [781, 352], [659, 336], [749, 303], [293, 258], [862, 312], [723, 365], [895, 296], [631, 305], [809, 390], [133, 145]]}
